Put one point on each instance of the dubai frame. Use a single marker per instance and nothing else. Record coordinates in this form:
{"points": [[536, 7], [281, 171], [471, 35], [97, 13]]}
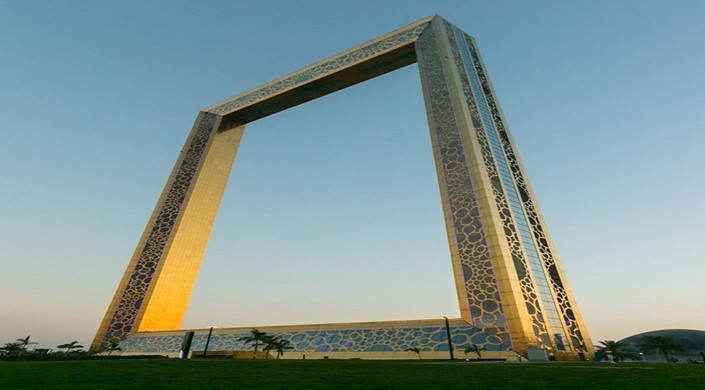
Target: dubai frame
{"points": [[510, 285]]}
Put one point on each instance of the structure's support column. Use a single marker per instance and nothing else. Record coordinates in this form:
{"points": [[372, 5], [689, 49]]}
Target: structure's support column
{"points": [[508, 281], [571, 319], [156, 287], [487, 286]]}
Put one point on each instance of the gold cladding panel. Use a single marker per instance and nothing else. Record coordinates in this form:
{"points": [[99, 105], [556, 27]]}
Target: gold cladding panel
{"points": [[168, 301]]}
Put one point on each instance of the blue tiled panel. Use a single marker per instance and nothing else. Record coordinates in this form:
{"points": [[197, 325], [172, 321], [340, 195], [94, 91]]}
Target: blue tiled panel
{"points": [[329, 340]]}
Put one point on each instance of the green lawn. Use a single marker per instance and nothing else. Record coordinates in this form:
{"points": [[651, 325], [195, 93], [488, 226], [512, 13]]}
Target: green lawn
{"points": [[341, 374]]}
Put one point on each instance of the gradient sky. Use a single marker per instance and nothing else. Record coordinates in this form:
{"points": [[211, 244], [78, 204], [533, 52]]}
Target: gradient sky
{"points": [[332, 213]]}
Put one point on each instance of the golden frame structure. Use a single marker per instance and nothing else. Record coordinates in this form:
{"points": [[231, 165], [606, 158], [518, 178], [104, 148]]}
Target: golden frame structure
{"points": [[509, 280]]}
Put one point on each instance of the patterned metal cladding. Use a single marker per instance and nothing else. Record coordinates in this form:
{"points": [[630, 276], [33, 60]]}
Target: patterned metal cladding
{"points": [[537, 229], [322, 69], [480, 282], [381, 339], [519, 260], [132, 298]]}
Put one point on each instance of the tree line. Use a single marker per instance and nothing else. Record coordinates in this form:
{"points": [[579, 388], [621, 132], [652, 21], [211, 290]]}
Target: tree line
{"points": [[21, 348]]}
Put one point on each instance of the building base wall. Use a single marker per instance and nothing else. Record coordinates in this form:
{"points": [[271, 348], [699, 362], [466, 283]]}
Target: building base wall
{"points": [[388, 340]]}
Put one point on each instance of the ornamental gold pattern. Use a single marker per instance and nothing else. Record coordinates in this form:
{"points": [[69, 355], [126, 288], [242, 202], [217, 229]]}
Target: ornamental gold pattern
{"points": [[540, 239], [569, 315], [529, 295], [325, 68], [479, 288]]}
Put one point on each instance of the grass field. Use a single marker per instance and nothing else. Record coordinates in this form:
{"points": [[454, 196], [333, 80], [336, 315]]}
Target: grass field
{"points": [[342, 374]]}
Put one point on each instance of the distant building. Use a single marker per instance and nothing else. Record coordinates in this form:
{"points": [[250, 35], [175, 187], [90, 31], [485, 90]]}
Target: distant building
{"points": [[690, 341], [510, 285]]}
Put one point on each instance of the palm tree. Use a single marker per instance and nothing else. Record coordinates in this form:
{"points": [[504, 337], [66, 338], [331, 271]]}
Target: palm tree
{"points": [[663, 344], [24, 343], [616, 349], [275, 343], [70, 346], [415, 350], [268, 342], [476, 349], [279, 344], [112, 347], [255, 337]]}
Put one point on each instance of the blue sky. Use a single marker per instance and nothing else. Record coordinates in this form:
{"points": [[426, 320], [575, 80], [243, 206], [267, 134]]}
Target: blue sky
{"points": [[332, 213]]}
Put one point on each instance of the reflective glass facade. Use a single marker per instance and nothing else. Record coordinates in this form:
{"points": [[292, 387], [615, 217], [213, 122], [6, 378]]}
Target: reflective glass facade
{"points": [[537, 270]]}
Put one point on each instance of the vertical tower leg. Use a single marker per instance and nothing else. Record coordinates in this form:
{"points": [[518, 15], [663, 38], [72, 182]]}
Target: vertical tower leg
{"points": [[508, 279], [155, 289], [470, 238]]}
